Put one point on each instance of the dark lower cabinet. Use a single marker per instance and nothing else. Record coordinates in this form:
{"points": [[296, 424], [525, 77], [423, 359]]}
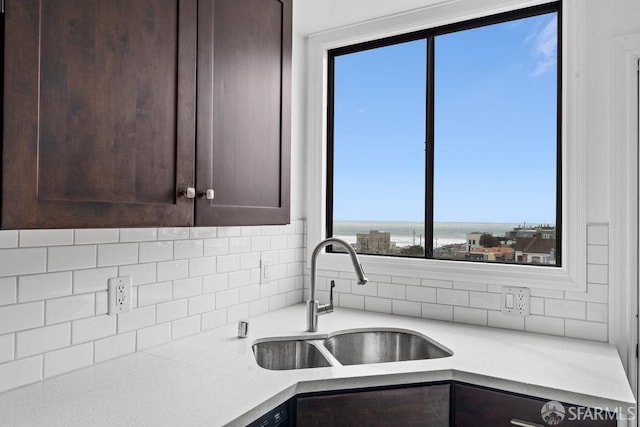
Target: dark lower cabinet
{"points": [[478, 406], [436, 404], [411, 406]]}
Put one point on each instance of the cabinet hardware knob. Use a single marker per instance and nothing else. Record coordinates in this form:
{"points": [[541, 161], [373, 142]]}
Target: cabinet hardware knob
{"points": [[209, 194], [522, 423], [190, 193]]}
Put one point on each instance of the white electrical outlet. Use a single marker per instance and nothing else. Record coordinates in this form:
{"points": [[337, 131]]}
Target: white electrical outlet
{"points": [[119, 295], [265, 271], [516, 301]]}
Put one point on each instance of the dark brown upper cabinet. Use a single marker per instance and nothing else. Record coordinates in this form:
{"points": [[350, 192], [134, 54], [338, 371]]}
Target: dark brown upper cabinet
{"points": [[244, 111], [114, 108]]}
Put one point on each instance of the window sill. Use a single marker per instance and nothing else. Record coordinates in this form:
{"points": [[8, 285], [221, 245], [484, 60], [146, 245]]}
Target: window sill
{"points": [[556, 278]]}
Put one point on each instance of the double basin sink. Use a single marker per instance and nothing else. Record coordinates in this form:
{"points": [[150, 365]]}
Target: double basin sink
{"points": [[346, 348]]}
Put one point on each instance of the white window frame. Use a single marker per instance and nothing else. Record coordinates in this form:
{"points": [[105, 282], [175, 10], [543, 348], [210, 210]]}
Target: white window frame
{"points": [[572, 274]]}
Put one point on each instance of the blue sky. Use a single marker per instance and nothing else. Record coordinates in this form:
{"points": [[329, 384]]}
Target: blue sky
{"points": [[495, 127]]}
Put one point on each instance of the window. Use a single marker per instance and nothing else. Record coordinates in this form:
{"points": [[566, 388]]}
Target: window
{"points": [[445, 143]]}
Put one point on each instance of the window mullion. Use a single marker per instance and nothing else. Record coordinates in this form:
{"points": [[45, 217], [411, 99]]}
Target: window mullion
{"points": [[429, 146]]}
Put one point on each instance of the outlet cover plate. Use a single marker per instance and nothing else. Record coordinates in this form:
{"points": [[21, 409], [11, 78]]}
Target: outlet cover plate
{"points": [[516, 301], [119, 295], [265, 271]]}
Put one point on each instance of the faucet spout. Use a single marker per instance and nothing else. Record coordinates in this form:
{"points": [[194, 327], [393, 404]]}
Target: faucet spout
{"points": [[313, 306]]}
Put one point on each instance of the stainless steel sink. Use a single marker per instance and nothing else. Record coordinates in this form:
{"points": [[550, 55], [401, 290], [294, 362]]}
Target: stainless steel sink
{"points": [[360, 347], [291, 354]]}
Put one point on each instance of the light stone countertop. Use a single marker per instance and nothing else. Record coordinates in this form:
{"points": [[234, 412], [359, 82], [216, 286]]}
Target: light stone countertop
{"points": [[212, 378]]}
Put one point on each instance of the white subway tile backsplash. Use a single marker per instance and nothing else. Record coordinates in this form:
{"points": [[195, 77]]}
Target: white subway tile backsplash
{"points": [[44, 286], [60, 258], [595, 293], [565, 308], [213, 247], [239, 278], [473, 316], [6, 348], [400, 280], [62, 280], [598, 254], [252, 293], [172, 270], [452, 297], [19, 317], [201, 304], [117, 254], [216, 318], [241, 311], [115, 346], [597, 274], [598, 234], [544, 325], [20, 372], [352, 301], [536, 306], [185, 327], [8, 290], [260, 243], [93, 328], [154, 335], [23, 261], [406, 308], [69, 308], [173, 233], [136, 319], [586, 330], [187, 288], [184, 249], [141, 274], [138, 234], [202, 266], [386, 290], [370, 289], [437, 311], [227, 263], [498, 319], [9, 239], [470, 286], [93, 280], [96, 235], [239, 245], [437, 283], [171, 310], [215, 283], [276, 302], [485, 300], [65, 360], [203, 232], [227, 298], [421, 293], [380, 305], [156, 293], [102, 303], [30, 238], [597, 312], [156, 251], [41, 340]]}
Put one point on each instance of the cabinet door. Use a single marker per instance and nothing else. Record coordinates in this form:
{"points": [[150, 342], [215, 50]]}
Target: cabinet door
{"points": [[244, 113], [411, 406], [99, 113], [475, 406]]}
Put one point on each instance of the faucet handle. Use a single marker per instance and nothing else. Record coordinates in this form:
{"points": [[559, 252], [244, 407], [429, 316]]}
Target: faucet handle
{"points": [[328, 308], [333, 285]]}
